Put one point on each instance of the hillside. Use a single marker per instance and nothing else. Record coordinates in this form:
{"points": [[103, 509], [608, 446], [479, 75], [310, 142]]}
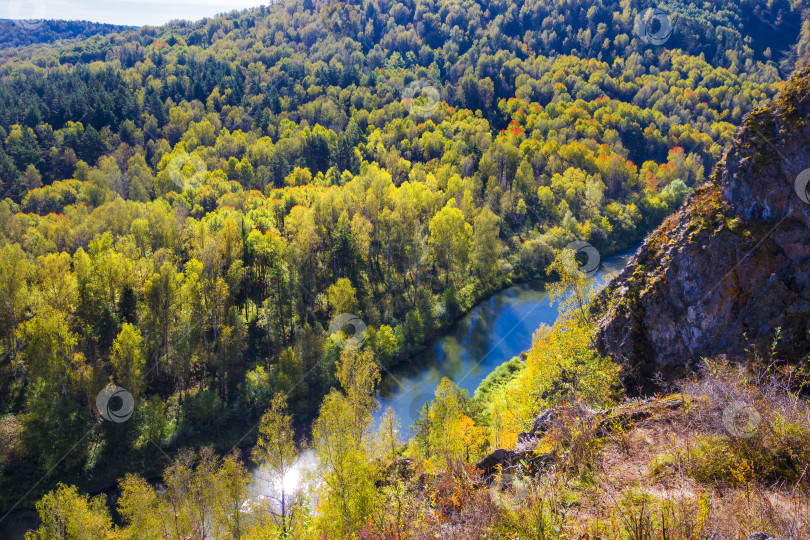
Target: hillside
{"points": [[21, 33], [727, 274], [245, 222], [725, 456]]}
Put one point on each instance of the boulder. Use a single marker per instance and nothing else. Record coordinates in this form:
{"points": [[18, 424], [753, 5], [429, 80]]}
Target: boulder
{"points": [[762, 536]]}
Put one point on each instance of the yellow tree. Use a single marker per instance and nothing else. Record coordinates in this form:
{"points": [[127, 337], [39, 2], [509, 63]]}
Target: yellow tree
{"points": [[450, 238], [388, 434], [359, 374], [486, 246], [340, 439], [128, 360], [57, 283], [49, 352], [302, 237], [572, 289], [14, 271], [66, 514], [342, 297], [232, 485], [443, 414], [469, 436], [203, 498], [561, 365], [142, 509], [347, 476], [162, 303], [276, 450]]}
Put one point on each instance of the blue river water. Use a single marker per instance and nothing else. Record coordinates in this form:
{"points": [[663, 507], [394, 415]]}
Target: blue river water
{"points": [[496, 330]]}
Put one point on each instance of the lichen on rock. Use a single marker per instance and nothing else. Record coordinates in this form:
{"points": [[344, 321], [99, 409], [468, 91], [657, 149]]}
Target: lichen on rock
{"points": [[731, 267]]}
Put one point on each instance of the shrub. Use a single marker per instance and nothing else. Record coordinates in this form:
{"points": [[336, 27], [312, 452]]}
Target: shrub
{"points": [[772, 438], [203, 408]]}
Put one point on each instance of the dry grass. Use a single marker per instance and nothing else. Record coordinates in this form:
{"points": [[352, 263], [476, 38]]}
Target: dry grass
{"points": [[683, 472], [667, 468]]}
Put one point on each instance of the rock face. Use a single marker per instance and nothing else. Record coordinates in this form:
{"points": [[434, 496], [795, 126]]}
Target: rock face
{"points": [[732, 266]]}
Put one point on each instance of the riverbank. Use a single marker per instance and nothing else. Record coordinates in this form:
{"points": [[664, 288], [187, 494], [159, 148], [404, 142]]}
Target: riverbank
{"points": [[467, 329], [490, 334]]}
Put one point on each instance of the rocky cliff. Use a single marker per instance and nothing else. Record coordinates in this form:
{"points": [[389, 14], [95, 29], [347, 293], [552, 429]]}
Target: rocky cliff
{"points": [[732, 266]]}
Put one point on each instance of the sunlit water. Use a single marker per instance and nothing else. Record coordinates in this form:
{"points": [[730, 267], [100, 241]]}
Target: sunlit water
{"points": [[494, 331], [266, 489]]}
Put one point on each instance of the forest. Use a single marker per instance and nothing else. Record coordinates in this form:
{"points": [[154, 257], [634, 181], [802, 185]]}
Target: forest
{"points": [[19, 33], [186, 208]]}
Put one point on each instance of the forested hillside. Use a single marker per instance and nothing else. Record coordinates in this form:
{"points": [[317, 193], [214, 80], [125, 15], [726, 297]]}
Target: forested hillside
{"points": [[18, 33], [187, 208]]}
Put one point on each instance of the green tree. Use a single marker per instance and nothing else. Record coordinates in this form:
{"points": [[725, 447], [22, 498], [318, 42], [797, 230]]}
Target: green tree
{"points": [[53, 425], [128, 360], [268, 251], [31, 178]]}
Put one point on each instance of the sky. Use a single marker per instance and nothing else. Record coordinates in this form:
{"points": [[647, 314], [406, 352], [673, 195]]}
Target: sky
{"points": [[131, 12]]}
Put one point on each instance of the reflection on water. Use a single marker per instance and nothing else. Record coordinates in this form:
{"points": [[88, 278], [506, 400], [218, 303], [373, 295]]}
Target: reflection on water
{"points": [[494, 331], [265, 489]]}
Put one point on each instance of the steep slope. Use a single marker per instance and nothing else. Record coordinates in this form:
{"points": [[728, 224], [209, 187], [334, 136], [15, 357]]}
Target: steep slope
{"points": [[731, 267]]}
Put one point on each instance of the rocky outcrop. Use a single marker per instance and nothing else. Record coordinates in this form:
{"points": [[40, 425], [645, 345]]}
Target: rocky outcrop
{"points": [[541, 424], [506, 461], [731, 267]]}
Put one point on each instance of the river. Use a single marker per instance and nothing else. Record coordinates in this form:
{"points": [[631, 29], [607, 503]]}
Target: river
{"points": [[494, 331]]}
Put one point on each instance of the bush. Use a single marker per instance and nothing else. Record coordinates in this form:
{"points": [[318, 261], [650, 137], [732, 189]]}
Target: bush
{"points": [[500, 377], [203, 408], [256, 390], [759, 429]]}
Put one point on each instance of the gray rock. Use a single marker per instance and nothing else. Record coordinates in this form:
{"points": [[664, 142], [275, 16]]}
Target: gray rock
{"points": [[730, 267], [542, 423], [509, 460], [762, 536]]}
